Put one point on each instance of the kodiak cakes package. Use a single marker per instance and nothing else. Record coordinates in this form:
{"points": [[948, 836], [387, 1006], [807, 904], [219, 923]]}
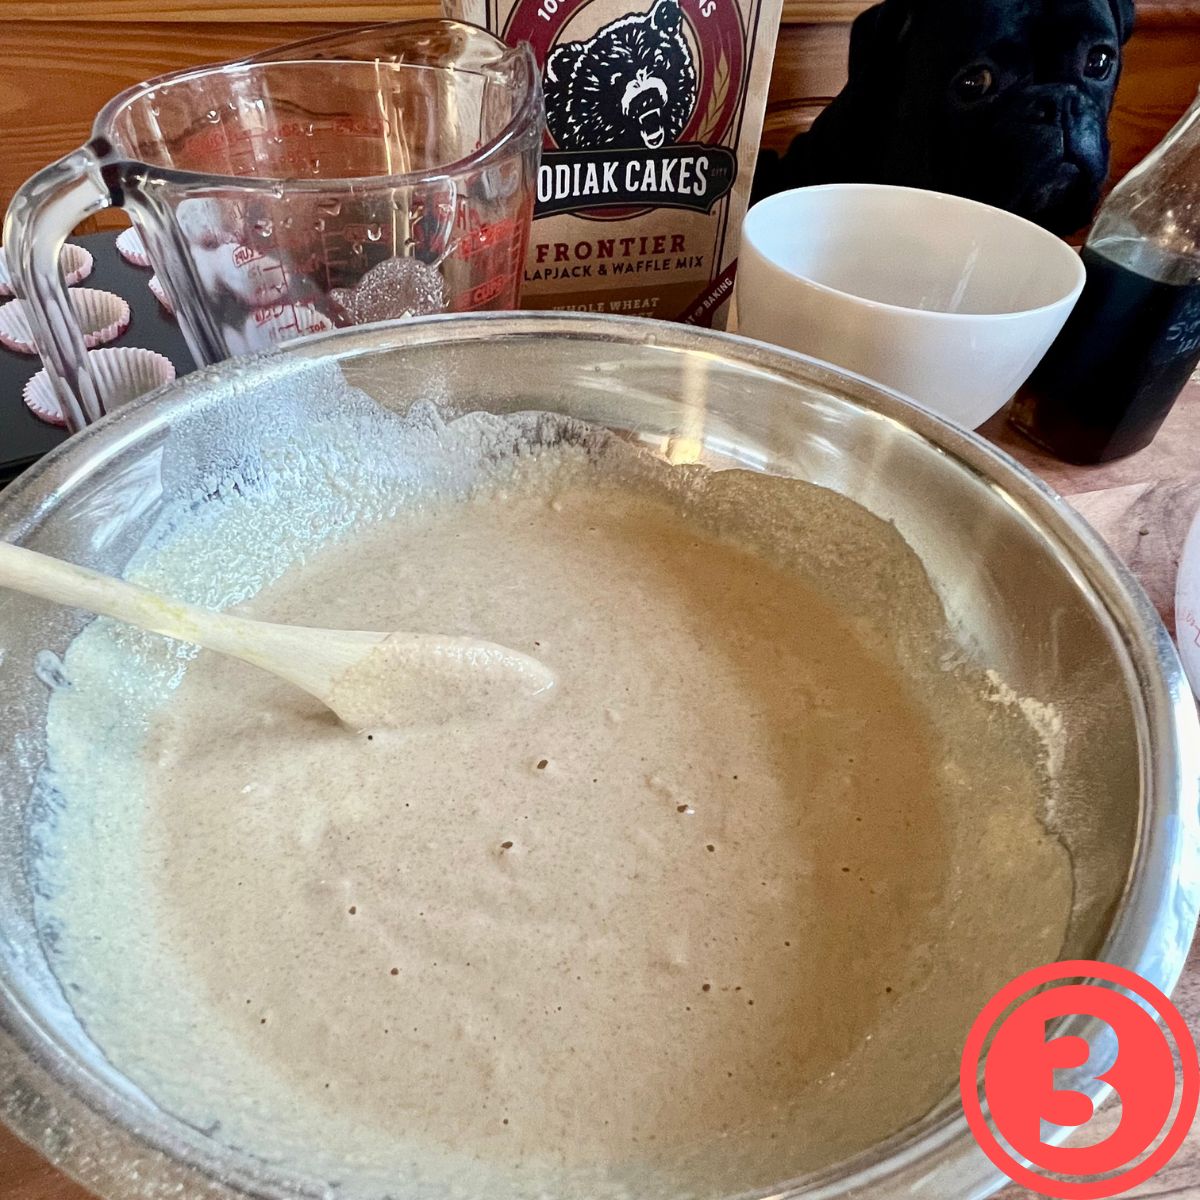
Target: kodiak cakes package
{"points": [[654, 110]]}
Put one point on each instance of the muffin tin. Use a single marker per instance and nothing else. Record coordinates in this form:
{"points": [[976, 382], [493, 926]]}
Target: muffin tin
{"points": [[104, 317]]}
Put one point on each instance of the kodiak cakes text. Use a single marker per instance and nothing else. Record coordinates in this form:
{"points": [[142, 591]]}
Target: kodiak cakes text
{"points": [[654, 111]]}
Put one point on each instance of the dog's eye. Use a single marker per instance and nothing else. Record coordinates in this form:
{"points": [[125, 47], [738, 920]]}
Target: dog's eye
{"points": [[974, 83], [1100, 62]]}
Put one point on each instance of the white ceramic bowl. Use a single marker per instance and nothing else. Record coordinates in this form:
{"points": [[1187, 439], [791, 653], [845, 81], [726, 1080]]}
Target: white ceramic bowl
{"points": [[947, 300]]}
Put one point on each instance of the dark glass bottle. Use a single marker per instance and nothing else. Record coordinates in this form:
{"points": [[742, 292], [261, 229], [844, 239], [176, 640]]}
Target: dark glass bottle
{"points": [[1133, 340]]}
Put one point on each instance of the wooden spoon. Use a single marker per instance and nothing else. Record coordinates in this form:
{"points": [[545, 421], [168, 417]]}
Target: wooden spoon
{"points": [[367, 679]]}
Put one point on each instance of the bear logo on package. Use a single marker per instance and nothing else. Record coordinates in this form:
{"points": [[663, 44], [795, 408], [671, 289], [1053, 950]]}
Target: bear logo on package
{"points": [[653, 115], [623, 113], [632, 85]]}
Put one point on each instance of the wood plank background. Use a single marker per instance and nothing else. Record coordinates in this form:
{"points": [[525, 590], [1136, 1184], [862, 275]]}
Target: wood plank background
{"points": [[60, 60]]}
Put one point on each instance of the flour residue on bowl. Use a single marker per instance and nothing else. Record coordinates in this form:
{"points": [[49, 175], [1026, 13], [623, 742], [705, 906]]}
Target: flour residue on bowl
{"points": [[717, 914], [1045, 720]]}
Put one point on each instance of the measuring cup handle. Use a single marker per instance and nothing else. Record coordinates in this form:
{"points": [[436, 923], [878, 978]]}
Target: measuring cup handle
{"points": [[40, 219]]}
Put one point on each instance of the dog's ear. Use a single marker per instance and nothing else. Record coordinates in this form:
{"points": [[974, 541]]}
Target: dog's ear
{"points": [[850, 136], [1125, 16], [876, 39]]}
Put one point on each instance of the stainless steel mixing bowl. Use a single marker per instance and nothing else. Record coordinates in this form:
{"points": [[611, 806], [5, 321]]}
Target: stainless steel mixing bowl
{"points": [[1028, 587]]}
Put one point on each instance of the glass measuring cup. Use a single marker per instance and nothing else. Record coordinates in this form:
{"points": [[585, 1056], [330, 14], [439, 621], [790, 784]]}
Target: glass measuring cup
{"points": [[378, 173]]}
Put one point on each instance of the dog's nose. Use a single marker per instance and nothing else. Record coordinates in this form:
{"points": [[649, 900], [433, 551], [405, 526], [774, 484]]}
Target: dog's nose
{"points": [[1048, 104]]}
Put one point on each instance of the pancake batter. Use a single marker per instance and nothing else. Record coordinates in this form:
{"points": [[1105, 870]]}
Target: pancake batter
{"points": [[715, 912]]}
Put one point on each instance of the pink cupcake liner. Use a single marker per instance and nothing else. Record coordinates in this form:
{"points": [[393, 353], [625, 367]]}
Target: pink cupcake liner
{"points": [[102, 316], [131, 247], [123, 373], [76, 263], [40, 399], [160, 294], [14, 328]]}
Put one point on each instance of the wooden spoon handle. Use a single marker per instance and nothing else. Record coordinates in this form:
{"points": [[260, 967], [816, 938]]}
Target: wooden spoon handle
{"points": [[79, 587], [300, 655]]}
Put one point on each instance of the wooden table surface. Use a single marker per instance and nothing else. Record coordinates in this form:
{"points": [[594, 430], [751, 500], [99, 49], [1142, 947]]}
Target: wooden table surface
{"points": [[1143, 506]]}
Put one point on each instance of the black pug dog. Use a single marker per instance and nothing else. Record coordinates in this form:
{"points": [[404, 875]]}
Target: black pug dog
{"points": [[632, 85], [1004, 101]]}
